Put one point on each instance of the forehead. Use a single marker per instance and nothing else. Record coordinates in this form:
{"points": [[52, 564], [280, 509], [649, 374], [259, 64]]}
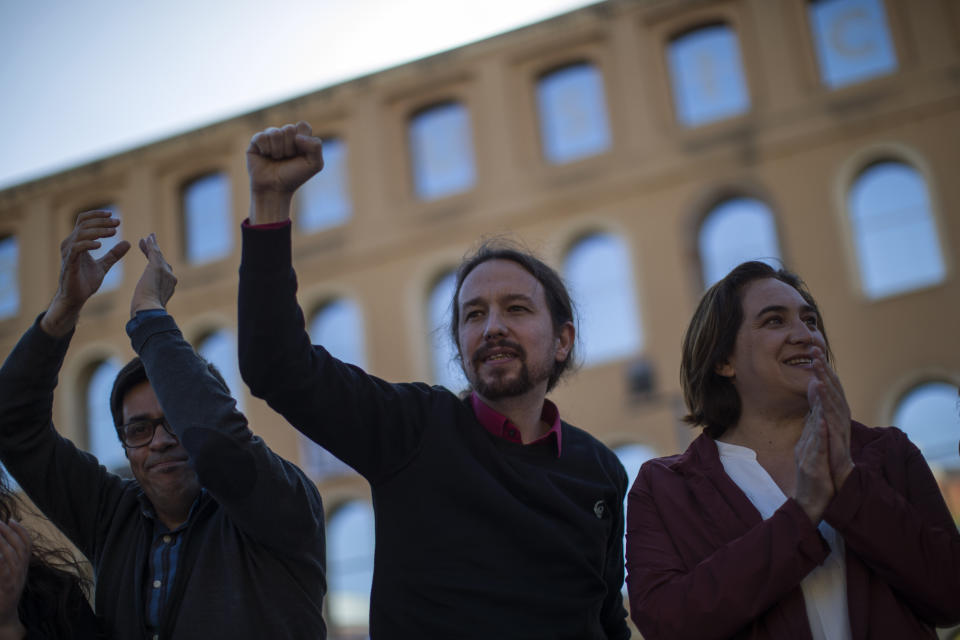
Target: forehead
{"points": [[140, 400], [760, 294], [495, 279]]}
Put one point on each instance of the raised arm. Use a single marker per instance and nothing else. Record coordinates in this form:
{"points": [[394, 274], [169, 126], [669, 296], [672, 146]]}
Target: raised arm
{"points": [[68, 485], [890, 511], [370, 424], [267, 497]]}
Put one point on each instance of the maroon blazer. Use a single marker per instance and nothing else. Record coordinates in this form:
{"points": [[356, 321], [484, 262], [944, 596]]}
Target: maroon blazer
{"points": [[702, 563]]}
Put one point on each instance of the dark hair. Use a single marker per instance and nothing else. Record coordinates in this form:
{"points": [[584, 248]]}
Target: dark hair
{"points": [[132, 374], [712, 399], [54, 575], [558, 298]]}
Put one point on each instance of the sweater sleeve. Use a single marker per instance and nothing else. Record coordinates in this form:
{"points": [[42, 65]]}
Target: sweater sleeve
{"points": [[69, 485], [267, 497], [729, 586], [372, 425], [907, 537]]}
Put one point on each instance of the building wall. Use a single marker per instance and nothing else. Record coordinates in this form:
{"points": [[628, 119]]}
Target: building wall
{"points": [[798, 148]]}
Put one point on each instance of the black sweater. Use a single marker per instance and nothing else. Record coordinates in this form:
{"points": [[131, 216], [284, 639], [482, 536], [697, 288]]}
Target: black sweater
{"points": [[476, 537]]}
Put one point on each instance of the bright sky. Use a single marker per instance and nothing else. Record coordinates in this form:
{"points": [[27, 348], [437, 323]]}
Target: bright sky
{"points": [[81, 80]]}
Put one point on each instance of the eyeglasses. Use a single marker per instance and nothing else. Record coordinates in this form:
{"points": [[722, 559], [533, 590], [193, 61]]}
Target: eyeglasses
{"points": [[140, 433]]}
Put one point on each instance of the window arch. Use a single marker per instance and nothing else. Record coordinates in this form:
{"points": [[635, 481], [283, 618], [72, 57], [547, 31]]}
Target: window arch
{"points": [[598, 270], [350, 549], [852, 40], [220, 348], [207, 220], [323, 201], [441, 151], [707, 75], [894, 233], [102, 440], [446, 366], [734, 231], [9, 276], [115, 276], [573, 113], [929, 413]]}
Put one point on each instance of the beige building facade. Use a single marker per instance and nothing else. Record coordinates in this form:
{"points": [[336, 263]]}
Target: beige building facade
{"points": [[434, 155]]}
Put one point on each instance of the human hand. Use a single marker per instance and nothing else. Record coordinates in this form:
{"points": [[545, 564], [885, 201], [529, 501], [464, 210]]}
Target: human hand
{"points": [[278, 162], [836, 412], [80, 274], [15, 548], [157, 281], [814, 485]]}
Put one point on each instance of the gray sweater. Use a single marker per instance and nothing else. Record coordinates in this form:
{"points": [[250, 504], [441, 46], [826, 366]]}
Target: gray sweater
{"points": [[253, 561]]}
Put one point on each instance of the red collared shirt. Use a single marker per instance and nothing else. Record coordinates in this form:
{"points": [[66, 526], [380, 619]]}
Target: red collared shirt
{"points": [[500, 426]]}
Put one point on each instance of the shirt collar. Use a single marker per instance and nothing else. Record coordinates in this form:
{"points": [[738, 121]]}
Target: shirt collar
{"points": [[499, 425]]}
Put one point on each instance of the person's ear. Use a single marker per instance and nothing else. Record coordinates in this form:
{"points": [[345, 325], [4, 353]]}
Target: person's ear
{"points": [[565, 338], [725, 369]]}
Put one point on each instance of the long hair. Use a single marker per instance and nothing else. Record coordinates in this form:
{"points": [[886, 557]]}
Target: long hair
{"points": [[712, 399], [54, 575]]}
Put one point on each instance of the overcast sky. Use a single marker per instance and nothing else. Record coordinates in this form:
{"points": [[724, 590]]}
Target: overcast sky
{"points": [[81, 80]]}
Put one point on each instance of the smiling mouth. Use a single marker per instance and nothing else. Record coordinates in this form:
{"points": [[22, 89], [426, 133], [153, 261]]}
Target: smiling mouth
{"points": [[166, 465], [799, 360]]}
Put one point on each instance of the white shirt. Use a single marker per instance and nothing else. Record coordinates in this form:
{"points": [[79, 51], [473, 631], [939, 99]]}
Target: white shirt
{"points": [[824, 588]]}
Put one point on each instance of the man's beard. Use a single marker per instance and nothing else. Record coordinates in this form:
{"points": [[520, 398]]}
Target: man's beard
{"points": [[503, 384]]}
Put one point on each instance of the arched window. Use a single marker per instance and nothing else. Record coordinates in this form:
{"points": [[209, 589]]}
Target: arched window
{"points": [[632, 457], [324, 200], [598, 270], [350, 546], [736, 230], [207, 220], [441, 151], [707, 75], [929, 414], [9, 276], [220, 348], [852, 40], [338, 327], [893, 230], [573, 113], [102, 440], [446, 366], [115, 276]]}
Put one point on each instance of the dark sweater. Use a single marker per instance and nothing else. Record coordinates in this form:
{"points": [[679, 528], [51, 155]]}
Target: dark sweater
{"points": [[252, 565], [476, 537]]}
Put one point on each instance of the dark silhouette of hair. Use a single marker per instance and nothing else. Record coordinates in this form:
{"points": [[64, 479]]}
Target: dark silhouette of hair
{"points": [[712, 399], [55, 577], [558, 298], [132, 374]]}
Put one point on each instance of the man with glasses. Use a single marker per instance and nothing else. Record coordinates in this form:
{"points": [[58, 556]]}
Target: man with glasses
{"points": [[216, 536]]}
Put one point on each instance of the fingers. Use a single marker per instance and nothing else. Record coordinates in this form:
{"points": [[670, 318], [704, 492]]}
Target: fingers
{"points": [[288, 141], [275, 143], [14, 543]]}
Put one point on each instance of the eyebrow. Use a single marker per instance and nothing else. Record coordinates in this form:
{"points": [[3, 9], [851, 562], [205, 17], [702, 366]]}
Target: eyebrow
{"points": [[510, 297], [779, 308], [139, 417]]}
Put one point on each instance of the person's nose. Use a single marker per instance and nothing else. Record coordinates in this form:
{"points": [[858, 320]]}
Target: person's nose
{"points": [[495, 327], [163, 439], [800, 332]]}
